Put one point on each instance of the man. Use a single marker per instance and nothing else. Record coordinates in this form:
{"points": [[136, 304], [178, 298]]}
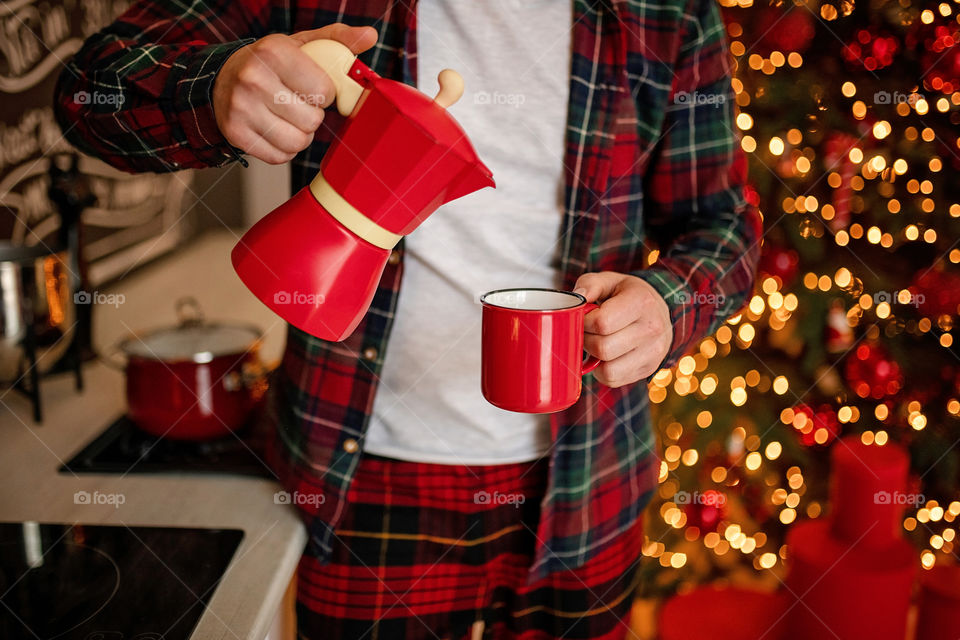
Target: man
{"points": [[607, 125]]}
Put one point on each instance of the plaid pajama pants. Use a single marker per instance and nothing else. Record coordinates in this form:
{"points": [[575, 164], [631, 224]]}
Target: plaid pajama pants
{"points": [[441, 552]]}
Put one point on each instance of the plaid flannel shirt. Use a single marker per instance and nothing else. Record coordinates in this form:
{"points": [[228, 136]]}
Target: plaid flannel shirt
{"points": [[651, 157]]}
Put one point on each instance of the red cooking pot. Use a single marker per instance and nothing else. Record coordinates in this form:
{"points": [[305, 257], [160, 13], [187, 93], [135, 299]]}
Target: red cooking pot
{"points": [[196, 380]]}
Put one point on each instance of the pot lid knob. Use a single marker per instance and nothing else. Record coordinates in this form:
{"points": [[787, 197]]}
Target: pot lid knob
{"points": [[189, 313], [451, 88]]}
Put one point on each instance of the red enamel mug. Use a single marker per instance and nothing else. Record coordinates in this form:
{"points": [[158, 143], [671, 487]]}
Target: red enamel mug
{"points": [[532, 349]]}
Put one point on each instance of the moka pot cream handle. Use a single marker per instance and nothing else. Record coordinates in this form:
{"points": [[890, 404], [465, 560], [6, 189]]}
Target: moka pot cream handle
{"points": [[336, 60]]}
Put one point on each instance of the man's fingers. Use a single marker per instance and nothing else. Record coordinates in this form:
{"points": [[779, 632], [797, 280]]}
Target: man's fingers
{"points": [[618, 372], [358, 39], [617, 344], [631, 367], [296, 109], [614, 313], [258, 147], [280, 134], [597, 286], [301, 75]]}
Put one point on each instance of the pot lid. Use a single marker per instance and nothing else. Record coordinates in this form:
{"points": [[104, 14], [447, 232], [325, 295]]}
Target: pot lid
{"points": [[194, 339], [192, 342]]}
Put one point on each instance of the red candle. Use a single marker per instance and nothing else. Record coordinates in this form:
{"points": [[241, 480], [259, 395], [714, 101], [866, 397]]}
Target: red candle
{"points": [[938, 617], [840, 590], [716, 613], [868, 492]]}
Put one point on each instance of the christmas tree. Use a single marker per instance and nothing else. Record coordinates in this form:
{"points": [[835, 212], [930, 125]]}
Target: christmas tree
{"points": [[849, 116]]}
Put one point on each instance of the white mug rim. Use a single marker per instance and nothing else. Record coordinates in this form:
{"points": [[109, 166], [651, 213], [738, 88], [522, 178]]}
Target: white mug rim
{"points": [[484, 302]]}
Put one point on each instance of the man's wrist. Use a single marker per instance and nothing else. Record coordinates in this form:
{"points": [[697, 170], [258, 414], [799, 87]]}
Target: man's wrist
{"points": [[678, 298], [193, 103]]}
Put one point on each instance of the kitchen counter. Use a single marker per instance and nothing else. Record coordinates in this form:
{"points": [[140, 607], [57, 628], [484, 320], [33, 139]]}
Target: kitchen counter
{"points": [[252, 590]]}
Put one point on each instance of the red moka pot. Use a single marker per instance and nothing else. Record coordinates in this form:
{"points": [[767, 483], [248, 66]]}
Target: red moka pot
{"points": [[316, 260]]}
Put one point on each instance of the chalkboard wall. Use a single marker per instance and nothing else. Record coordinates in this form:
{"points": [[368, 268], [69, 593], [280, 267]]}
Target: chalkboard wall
{"points": [[137, 217]]}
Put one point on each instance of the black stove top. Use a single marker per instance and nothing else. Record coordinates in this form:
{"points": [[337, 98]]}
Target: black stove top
{"points": [[86, 582], [123, 448]]}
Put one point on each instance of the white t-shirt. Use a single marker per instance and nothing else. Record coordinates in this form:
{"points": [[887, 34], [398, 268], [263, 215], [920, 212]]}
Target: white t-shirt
{"points": [[515, 61]]}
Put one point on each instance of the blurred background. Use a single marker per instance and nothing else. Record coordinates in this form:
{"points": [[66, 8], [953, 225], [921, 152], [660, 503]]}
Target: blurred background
{"points": [[849, 113]]}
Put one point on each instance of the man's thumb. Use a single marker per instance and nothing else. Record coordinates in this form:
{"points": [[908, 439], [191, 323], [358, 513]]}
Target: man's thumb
{"points": [[597, 286], [358, 39]]}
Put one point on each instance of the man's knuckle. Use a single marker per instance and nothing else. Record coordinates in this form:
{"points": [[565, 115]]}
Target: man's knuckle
{"points": [[250, 74], [238, 106], [604, 349], [271, 42], [245, 138], [275, 156], [305, 140], [314, 120], [607, 373], [288, 144], [602, 324]]}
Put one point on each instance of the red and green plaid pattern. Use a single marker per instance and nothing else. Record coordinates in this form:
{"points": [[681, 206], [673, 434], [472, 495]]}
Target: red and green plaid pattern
{"points": [[436, 551], [652, 158]]}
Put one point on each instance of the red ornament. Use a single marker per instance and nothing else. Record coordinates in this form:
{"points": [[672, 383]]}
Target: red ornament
{"points": [[815, 427], [783, 30], [779, 262], [705, 509], [872, 373], [871, 49], [936, 291], [839, 333]]}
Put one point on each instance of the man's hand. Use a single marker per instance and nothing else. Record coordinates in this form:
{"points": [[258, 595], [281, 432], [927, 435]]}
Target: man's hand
{"points": [[630, 332], [268, 98]]}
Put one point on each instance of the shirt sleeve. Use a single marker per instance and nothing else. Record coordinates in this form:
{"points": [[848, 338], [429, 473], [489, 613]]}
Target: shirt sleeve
{"points": [[138, 94], [709, 236]]}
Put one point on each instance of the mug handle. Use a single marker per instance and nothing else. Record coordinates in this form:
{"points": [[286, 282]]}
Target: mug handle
{"points": [[591, 362]]}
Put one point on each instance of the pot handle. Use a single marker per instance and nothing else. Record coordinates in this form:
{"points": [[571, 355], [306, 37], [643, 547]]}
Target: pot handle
{"points": [[188, 311], [336, 60]]}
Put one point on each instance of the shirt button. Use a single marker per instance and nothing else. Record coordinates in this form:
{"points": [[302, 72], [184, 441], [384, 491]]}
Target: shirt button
{"points": [[370, 353], [350, 445], [394, 258]]}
